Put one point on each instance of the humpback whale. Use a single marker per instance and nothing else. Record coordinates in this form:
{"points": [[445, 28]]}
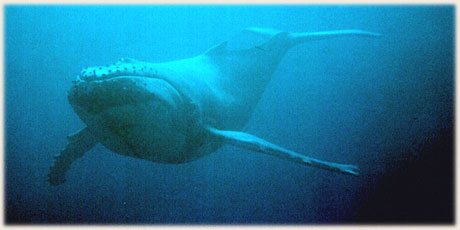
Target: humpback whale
{"points": [[179, 111]]}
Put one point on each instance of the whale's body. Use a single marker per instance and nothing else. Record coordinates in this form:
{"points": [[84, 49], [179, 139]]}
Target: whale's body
{"points": [[177, 112]]}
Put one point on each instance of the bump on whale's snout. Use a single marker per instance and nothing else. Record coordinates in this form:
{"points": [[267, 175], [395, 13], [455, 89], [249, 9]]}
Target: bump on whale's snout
{"points": [[97, 96]]}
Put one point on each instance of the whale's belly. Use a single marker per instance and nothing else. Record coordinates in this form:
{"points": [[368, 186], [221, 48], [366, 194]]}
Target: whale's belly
{"points": [[141, 131]]}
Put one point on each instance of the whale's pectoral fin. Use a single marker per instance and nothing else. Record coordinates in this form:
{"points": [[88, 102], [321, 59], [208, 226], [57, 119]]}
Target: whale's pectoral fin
{"points": [[79, 143], [298, 38], [254, 143]]}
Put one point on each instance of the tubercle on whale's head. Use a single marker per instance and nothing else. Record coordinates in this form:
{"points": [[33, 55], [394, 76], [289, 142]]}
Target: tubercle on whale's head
{"points": [[117, 69], [128, 81], [99, 93]]}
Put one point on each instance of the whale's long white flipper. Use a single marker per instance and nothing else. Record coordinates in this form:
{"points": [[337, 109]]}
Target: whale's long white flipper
{"points": [[306, 37], [254, 143], [298, 38]]}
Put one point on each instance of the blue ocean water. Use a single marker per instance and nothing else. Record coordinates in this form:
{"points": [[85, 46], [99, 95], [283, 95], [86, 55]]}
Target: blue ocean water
{"points": [[384, 104]]}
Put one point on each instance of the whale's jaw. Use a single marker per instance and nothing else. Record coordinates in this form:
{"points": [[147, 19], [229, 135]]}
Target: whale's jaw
{"points": [[133, 115]]}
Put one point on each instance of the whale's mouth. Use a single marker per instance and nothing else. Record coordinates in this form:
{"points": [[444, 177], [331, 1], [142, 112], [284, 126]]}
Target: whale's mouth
{"points": [[94, 95]]}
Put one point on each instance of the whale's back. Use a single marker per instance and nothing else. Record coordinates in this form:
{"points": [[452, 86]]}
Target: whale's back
{"points": [[245, 73]]}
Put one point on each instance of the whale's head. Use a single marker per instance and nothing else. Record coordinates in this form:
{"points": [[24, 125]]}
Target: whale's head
{"points": [[142, 116]]}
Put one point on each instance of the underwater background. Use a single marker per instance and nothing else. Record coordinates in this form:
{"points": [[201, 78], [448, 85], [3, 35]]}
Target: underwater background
{"points": [[384, 104]]}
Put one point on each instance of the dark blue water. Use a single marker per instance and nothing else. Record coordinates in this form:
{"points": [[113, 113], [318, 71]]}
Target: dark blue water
{"points": [[384, 104]]}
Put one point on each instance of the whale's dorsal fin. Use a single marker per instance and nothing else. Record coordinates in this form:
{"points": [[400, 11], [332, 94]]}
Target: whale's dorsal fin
{"points": [[220, 49], [254, 143], [267, 35]]}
